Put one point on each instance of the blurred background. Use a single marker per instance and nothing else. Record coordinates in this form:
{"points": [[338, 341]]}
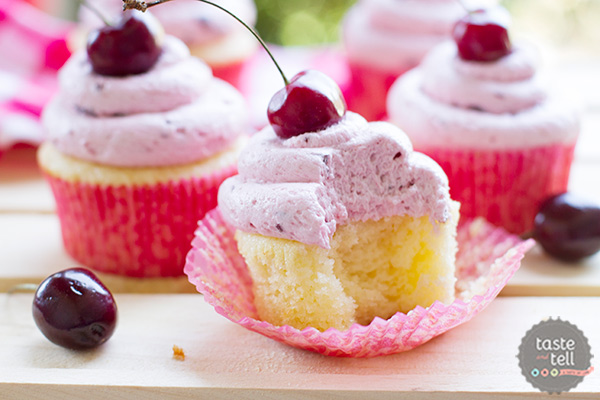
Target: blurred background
{"points": [[564, 23], [569, 24]]}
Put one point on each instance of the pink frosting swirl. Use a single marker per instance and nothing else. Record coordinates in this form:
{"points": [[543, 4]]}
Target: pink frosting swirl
{"points": [[508, 85], [175, 113], [394, 35], [451, 102], [302, 188]]}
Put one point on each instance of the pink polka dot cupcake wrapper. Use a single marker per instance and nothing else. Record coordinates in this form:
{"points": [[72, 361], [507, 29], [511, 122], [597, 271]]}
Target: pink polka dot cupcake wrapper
{"points": [[487, 258], [138, 230], [505, 187]]}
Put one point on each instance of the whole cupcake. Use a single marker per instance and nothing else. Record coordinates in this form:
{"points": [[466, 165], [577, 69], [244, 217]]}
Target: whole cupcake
{"points": [[211, 35], [385, 38], [478, 108], [140, 136]]}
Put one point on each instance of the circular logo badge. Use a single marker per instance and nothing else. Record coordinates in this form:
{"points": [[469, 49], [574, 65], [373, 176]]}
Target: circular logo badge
{"points": [[555, 356]]}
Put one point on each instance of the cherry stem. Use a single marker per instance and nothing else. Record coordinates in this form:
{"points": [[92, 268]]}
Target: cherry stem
{"points": [[23, 287], [143, 6], [95, 11]]}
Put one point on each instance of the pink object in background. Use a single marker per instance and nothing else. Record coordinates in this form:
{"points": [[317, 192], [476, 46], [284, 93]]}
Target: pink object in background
{"points": [[487, 259], [385, 38], [229, 73], [32, 49], [368, 93]]}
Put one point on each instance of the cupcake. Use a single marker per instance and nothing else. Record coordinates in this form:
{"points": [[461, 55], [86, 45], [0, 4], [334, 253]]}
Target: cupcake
{"points": [[336, 237], [211, 35], [341, 225], [505, 142], [135, 159], [385, 38]]}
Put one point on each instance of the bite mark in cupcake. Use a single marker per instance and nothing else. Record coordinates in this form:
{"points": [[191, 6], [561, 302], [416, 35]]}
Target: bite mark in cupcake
{"points": [[369, 233]]}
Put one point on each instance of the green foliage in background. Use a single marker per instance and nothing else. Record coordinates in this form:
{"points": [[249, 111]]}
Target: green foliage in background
{"points": [[304, 22]]}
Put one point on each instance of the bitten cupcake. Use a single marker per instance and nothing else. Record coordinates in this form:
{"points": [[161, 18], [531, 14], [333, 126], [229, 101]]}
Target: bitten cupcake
{"points": [[479, 109], [211, 35], [385, 38], [338, 220], [341, 225], [140, 136], [337, 237]]}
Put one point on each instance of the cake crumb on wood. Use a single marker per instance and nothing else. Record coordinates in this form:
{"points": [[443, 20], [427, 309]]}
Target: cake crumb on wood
{"points": [[178, 353]]}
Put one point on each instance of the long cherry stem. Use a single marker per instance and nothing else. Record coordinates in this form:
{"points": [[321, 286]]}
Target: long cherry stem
{"points": [[143, 6]]}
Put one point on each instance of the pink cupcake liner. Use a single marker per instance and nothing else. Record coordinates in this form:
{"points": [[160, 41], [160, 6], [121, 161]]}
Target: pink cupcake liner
{"points": [[136, 231], [505, 187], [367, 92], [487, 259]]}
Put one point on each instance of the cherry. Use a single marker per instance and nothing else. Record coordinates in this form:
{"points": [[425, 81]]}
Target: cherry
{"points": [[482, 35], [73, 309], [310, 102], [568, 227], [132, 46]]}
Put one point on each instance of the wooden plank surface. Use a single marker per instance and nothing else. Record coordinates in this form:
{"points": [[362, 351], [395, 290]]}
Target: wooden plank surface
{"points": [[22, 188], [476, 360], [32, 249]]}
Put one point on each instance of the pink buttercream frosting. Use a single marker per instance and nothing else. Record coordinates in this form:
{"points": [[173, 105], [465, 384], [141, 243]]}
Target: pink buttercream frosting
{"points": [[303, 187], [173, 114], [394, 35], [451, 102], [189, 20]]}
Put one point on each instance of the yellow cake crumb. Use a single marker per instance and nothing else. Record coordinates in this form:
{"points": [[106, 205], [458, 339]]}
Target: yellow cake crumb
{"points": [[178, 353], [72, 169], [374, 268]]}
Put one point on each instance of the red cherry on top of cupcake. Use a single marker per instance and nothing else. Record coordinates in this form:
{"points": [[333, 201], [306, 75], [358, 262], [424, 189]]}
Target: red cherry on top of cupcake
{"points": [[131, 46], [482, 35], [310, 102]]}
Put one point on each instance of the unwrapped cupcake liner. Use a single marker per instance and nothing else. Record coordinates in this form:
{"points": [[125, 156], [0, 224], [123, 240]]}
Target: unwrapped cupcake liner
{"points": [[506, 187], [367, 91], [136, 231], [487, 258]]}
